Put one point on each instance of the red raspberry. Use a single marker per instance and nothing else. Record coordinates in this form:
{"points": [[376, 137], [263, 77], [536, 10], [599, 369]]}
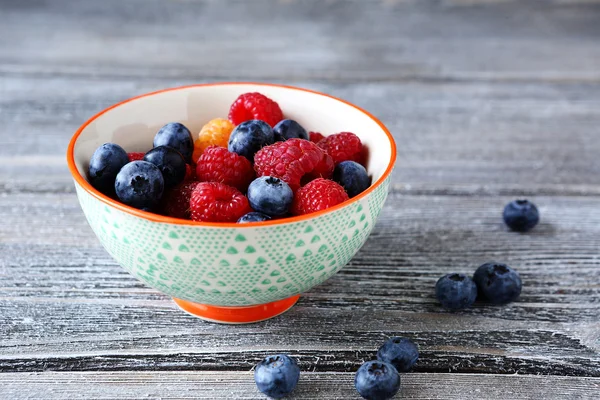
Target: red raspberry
{"points": [[190, 173], [176, 202], [315, 137], [217, 202], [324, 169], [343, 146], [294, 161], [318, 195], [135, 156], [217, 164], [255, 106]]}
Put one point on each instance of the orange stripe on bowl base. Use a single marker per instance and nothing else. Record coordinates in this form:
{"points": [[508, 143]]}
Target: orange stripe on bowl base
{"points": [[237, 315]]}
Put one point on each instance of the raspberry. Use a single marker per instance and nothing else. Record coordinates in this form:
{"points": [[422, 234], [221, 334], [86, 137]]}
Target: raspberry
{"points": [[255, 106], [190, 173], [176, 202], [318, 195], [216, 132], [135, 156], [217, 202], [315, 137], [324, 168], [343, 146], [293, 161], [218, 164]]}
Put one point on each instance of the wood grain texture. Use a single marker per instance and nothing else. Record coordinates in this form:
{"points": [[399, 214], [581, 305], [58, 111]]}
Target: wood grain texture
{"points": [[479, 138], [72, 308], [328, 386], [487, 100], [345, 40]]}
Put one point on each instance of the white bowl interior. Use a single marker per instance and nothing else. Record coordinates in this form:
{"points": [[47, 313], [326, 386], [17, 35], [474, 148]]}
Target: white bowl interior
{"points": [[133, 124]]}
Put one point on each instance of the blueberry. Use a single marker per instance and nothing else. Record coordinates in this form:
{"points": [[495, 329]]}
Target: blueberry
{"points": [[139, 184], [352, 176], [498, 283], [270, 196], [105, 164], [276, 376], [177, 136], [456, 291], [289, 129], [253, 217], [521, 215], [170, 162], [377, 380], [249, 137], [402, 353]]}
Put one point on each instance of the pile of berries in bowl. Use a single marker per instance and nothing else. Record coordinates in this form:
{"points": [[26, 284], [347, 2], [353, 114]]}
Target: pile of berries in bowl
{"points": [[240, 169], [226, 196]]}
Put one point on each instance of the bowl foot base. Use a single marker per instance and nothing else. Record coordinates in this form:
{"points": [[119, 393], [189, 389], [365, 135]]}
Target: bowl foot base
{"points": [[237, 315]]}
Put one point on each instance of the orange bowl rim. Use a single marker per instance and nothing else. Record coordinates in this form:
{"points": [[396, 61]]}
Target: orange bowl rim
{"points": [[177, 221]]}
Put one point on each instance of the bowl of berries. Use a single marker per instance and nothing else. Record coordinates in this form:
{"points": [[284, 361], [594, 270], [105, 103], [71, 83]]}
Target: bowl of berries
{"points": [[232, 198]]}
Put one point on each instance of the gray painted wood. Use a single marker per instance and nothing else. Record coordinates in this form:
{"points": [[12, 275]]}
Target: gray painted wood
{"points": [[240, 385], [453, 138], [116, 323], [487, 100], [344, 40]]}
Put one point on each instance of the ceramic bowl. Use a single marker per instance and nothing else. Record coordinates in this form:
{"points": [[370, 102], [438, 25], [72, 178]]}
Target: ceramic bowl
{"points": [[226, 272]]}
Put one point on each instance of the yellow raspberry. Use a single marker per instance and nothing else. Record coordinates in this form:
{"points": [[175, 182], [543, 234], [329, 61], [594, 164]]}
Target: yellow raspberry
{"points": [[215, 132]]}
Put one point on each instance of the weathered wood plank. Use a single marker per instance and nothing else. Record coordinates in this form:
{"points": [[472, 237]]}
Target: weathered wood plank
{"points": [[240, 385], [452, 138], [347, 40], [327, 357], [480, 104], [67, 306], [416, 236]]}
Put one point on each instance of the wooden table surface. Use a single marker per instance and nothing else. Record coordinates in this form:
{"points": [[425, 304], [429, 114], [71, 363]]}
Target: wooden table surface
{"points": [[488, 101]]}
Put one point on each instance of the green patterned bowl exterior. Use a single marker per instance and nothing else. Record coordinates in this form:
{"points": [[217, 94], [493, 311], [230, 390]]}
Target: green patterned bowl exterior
{"points": [[230, 264]]}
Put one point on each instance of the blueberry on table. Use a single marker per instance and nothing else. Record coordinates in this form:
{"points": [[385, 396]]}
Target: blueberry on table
{"points": [[177, 136], [277, 375], [105, 164], [139, 184], [270, 195], [521, 215], [456, 291], [377, 380], [402, 353], [352, 176], [289, 129], [253, 217], [170, 162], [249, 137], [498, 283]]}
